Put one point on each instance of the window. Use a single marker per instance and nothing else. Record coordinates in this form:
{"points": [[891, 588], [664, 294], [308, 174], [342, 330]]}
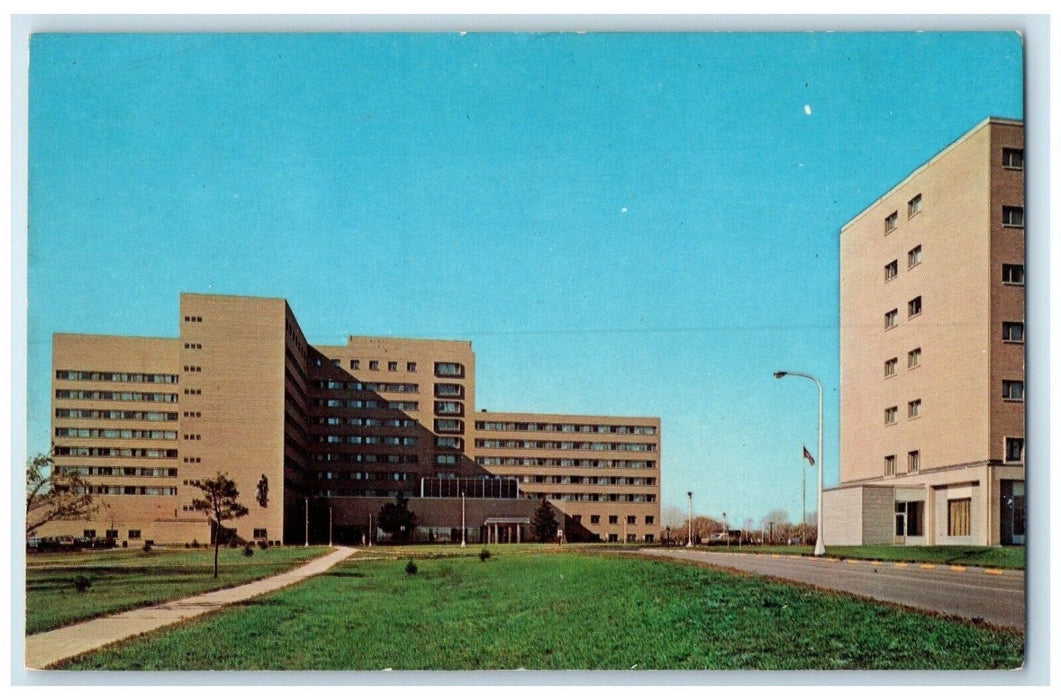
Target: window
{"points": [[111, 534], [891, 222], [959, 517], [392, 366], [913, 207], [913, 358], [260, 533], [889, 465], [1013, 217], [650, 520], [355, 364], [913, 257], [410, 366], [335, 363], [90, 533], [449, 369], [1012, 390], [891, 270], [631, 520], [134, 534], [913, 408], [594, 519], [446, 459], [373, 364], [1014, 449], [613, 519], [913, 513], [890, 415], [1012, 274], [913, 461], [1013, 158], [891, 318], [1012, 332], [913, 307], [889, 366]]}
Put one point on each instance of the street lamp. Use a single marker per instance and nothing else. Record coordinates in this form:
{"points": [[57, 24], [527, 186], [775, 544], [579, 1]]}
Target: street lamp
{"points": [[689, 543], [819, 542], [464, 542]]}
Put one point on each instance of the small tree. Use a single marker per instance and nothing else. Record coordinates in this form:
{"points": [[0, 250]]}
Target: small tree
{"points": [[54, 496], [219, 504], [543, 522], [396, 518]]}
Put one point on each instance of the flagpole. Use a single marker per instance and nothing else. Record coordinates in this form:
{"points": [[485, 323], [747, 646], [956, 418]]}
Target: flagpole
{"points": [[803, 523]]}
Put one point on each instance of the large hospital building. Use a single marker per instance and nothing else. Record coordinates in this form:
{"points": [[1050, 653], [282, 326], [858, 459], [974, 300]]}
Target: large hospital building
{"points": [[932, 353], [318, 438]]}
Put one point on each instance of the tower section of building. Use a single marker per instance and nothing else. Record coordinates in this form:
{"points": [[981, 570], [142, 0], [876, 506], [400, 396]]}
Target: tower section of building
{"points": [[602, 473], [931, 353]]}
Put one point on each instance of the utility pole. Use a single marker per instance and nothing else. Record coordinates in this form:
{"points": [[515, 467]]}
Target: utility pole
{"points": [[689, 543]]}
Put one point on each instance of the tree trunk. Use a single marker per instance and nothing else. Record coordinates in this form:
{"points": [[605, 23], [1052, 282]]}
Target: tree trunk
{"points": [[217, 547]]}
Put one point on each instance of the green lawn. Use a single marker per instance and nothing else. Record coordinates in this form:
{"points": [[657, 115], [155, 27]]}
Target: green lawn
{"points": [[558, 611], [124, 579], [997, 557]]}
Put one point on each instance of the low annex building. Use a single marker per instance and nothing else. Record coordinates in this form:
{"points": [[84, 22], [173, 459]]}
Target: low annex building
{"points": [[318, 438], [932, 353]]}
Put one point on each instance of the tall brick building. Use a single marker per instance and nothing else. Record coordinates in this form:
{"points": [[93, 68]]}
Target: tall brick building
{"points": [[932, 353], [319, 437]]}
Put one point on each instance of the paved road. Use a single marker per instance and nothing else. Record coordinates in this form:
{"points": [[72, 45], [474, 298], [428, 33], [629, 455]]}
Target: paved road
{"points": [[47, 648], [992, 595]]}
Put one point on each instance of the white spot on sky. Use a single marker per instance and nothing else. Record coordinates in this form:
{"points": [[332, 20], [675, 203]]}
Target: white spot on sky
{"points": [[806, 110], [623, 210]]}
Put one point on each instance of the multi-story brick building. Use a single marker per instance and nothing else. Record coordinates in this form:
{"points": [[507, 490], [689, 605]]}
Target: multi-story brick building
{"points": [[318, 438], [932, 353]]}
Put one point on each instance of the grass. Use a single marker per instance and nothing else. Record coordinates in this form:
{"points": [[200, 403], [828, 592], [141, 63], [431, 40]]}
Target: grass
{"points": [[125, 579], [558, 611], [996, 557]]}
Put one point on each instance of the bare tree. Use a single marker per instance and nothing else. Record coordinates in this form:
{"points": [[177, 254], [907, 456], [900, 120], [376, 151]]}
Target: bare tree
{"points": [[54, 496], [776, 523], [219, 504]]}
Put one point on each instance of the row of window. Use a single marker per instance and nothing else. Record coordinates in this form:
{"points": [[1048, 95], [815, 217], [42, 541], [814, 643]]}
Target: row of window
{"points": [[597, 497], [193, 392], [392, 366], [364, 476], [113, 396], [913, 259], [913, 410], [913, 308], [913, 360], [93, 414], [193, 346], [554, 445], [509, 426], [84, 470], [614, 520], [193, 319], [553, 462], [913, 208], [369, 386], [369, 403], [368, 422], [192, 368], [590, 480], [103, 489], [113, 534], [913, 463], [116, 434], [81, 451], [368, 440], [136, 377], [359, 457]]}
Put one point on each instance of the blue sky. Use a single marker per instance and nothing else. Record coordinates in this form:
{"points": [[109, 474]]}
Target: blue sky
{"points": [[620, 223]]}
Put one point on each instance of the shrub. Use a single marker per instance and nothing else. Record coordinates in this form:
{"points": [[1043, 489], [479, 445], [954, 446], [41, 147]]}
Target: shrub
{"points": [[248, 550], [147, 546], [484, 555], [195, 544], [81, 583], [187, 545], [411, 568], [125, 544], [262, 544]]}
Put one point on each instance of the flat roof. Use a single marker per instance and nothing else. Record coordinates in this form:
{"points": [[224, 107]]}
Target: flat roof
{"points": [[930, 161]]}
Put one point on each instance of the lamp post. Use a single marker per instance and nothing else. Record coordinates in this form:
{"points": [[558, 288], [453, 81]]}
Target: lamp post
{"points": [[464, 542], [689, 542], [819, 542], [725, 528]]}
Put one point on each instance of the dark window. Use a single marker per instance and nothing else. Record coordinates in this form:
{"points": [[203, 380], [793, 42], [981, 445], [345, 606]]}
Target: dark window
{"points": [[891, 270], [134, 534], [613, 519], [891, 222], [1014, 449], [913, 307], [1013, 216], [1012, 331], [913, 207], [594, 519], [1012, 274], [1012, 390], [1013, 158]]}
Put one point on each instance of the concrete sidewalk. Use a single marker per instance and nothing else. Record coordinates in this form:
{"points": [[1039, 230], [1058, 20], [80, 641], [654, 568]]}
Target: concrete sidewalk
{"points": [[47, 648]]}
